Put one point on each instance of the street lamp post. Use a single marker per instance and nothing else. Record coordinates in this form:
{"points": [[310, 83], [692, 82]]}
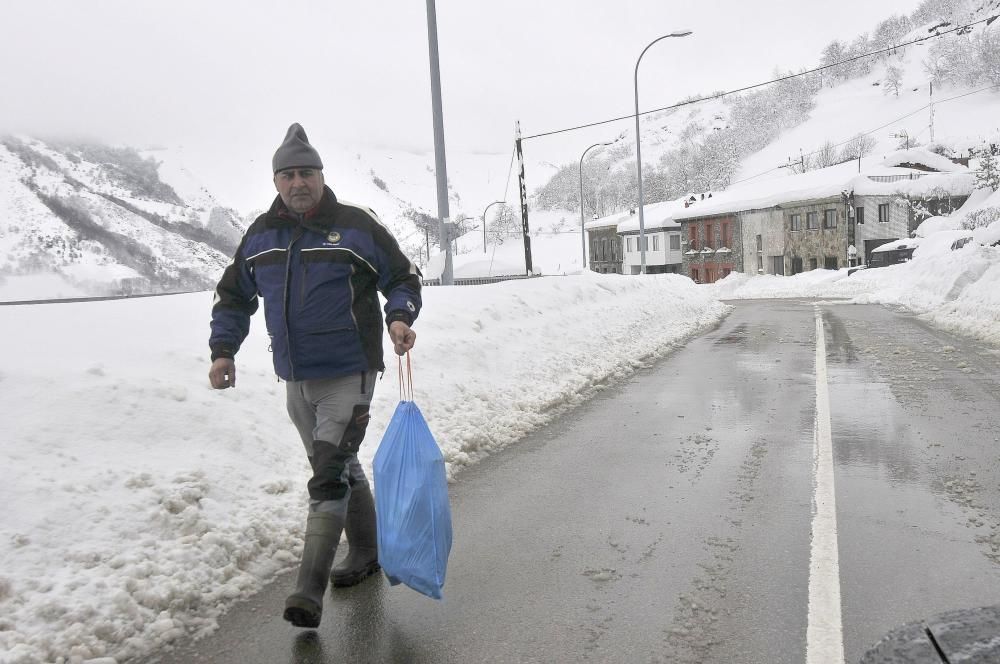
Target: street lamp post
{"points": [[583, 233], [638, 148], [484, 221], [440, 163]]}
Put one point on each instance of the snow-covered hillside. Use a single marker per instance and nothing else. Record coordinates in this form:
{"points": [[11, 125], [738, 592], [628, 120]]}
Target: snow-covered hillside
{"points": [[94, 220], [870, 106]]}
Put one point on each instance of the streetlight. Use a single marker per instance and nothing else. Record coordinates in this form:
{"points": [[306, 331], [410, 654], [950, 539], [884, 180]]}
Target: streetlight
{"points": [[583, 233], [440, 165], [638, 149], [484, 221]]}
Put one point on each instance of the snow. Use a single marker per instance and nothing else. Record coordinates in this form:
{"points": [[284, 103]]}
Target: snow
{"points": [[924, 157], [141, 504]]}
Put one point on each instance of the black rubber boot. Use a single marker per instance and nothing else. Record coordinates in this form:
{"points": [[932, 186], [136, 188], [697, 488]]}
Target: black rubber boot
{"points": [[304, 607], [361, 560]]}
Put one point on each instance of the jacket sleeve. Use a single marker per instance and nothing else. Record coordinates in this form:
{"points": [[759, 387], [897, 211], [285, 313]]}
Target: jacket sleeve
{"points": [[235, 301], [398, 278]]}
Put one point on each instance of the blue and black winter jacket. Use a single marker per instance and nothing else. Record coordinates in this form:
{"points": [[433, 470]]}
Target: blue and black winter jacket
{"points": [[318, 276]]}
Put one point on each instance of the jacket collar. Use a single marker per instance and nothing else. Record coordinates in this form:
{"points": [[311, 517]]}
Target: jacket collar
{"points": [[319, 218]]}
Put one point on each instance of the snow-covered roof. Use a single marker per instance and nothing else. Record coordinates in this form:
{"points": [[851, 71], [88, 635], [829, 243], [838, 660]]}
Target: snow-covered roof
{"points": [[828, 183], [923, 157], [655, 216], [905, 243], [610, 221]]}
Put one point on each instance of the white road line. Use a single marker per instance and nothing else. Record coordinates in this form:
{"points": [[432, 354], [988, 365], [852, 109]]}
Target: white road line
{"points": [[824, 634]]}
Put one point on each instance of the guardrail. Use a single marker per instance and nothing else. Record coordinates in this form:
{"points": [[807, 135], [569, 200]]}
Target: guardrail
{"points": [[95, 298], [479, 281]]}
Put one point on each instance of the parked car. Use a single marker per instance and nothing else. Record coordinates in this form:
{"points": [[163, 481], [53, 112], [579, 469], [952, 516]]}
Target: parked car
{"points": [[901, 251], [890, 253]]}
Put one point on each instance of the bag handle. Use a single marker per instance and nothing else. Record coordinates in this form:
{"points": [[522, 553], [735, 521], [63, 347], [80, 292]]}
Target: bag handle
{"points": [[405, 382]]}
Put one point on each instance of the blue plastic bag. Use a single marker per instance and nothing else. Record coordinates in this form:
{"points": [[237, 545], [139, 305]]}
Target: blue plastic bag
{"points": [[411, 504]]}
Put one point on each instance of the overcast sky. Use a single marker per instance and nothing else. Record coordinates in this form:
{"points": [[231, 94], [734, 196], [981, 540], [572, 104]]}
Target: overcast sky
{"points": [[228, 72]]}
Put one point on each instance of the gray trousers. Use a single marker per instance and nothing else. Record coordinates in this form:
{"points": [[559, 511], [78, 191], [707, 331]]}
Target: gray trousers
{"points": [[331, 415]]}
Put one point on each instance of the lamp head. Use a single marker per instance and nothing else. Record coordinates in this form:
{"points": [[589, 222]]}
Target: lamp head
{"points": [[680, 33]]}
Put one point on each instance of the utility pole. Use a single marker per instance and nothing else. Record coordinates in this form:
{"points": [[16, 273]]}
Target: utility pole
{"points": [[931, 86], [440, 168], [523, 189]]}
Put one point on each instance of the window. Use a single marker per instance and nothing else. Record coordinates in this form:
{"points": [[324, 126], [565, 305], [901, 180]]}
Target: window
{"points": [[830, 263], [796, 222], [796, 265], [760, 263], [675, 242], [656, 242], [727, 236], [604, 250], [859, 214], [628, 243], [812, 261], [883, 212], [709, 238], [829, 218], [692, 237], [778, 265], [725, 272], [760, 244], [812, 220], [694, 275]]}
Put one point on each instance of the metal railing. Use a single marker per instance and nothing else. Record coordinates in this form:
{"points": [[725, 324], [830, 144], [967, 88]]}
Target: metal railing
{"points": [[479, 281]]}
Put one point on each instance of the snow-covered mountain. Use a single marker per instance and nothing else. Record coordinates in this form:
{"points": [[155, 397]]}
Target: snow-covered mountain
{"points": [[82, 219]]}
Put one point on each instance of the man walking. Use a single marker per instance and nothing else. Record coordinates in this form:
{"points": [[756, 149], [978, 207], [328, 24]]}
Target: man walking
{"points": [[317, 262]]}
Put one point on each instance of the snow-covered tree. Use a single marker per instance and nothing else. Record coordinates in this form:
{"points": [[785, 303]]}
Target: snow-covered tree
{"points": [[826, 156], [505, 224], [833, 53], [988, 171], [861, 145], [981, 218], [890, 32], [987, 49], [893, 81]]}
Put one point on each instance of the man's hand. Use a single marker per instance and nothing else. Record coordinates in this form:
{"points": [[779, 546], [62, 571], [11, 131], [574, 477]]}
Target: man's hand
{"points": [[402, 336], [223, 373]]}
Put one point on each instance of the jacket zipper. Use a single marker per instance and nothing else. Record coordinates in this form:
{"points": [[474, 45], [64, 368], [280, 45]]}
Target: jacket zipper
{"points": [[288, 284]]}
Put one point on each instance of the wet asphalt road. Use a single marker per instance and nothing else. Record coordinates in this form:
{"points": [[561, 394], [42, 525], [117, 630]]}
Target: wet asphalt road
{"points": [[668, 520]]}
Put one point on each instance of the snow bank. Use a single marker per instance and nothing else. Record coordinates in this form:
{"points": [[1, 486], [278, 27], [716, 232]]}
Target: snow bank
{"points": [[140, 503]]}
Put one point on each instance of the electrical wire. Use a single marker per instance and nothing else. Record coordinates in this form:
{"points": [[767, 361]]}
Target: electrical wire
{"points": [[887, 49]]}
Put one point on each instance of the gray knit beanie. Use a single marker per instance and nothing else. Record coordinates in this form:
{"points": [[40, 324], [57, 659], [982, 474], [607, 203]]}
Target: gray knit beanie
{"points": [[295, 151]]}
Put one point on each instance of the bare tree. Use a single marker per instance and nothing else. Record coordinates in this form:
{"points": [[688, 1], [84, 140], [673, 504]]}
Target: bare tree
{"points": [[893, 81], [826, 156], [861, 145]]}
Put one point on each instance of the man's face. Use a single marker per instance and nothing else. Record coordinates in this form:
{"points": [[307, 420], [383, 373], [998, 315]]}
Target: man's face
{"points": [[299, 188]]}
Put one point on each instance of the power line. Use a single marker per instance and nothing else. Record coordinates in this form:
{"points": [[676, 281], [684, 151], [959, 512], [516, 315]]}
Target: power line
{"points": [[989, 19]]}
